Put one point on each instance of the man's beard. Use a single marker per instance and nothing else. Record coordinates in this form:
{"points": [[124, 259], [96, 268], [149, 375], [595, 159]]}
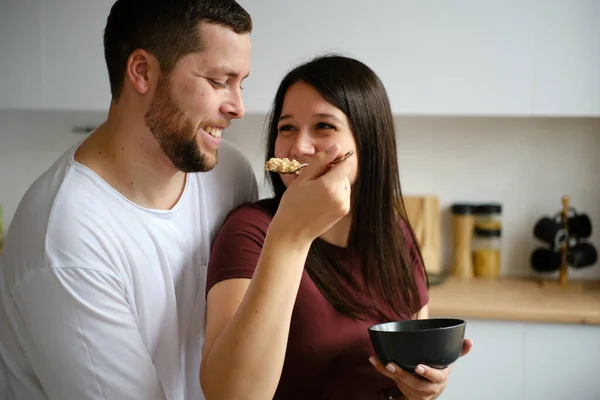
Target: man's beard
{"points": [[175, 134]]}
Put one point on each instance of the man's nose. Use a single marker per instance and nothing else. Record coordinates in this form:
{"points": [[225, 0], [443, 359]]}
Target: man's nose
{"points": [[234, 106]]}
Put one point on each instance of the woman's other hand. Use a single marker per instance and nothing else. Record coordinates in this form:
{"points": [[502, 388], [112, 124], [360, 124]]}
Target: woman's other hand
{"points": [[425, 383]]}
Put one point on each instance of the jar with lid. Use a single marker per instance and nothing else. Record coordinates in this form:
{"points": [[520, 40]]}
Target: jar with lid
{"points": [[486, 252], [488, 216], [463, 221]]}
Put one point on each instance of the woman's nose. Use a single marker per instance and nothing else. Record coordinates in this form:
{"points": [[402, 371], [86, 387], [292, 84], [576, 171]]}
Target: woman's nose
{"points": [[303, 145]]}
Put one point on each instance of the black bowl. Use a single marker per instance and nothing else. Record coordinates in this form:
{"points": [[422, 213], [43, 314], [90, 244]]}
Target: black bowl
{"points": [[435, 342]]}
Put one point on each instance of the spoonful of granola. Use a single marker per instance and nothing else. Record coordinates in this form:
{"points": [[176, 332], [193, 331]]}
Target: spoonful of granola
{"points": [[287, 166]]}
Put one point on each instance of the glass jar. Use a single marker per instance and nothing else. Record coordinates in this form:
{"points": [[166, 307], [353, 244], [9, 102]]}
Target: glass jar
{"points": [[487, 245], [463, 221], [488, 216]]}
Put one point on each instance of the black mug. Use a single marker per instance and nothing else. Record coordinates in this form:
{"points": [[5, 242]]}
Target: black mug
{"points": [[544, 260], [580, 226], [582, 255], [551, 231]]}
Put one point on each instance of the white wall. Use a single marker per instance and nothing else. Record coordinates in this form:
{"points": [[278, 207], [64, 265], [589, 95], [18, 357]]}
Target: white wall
{"points": [[525, 163]]}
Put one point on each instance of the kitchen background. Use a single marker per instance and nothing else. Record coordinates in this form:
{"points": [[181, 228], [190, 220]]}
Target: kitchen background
{"points": [[526, 164], [494, 101]]}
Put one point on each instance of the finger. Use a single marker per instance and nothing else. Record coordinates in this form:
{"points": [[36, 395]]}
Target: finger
{"points": [[419, 387], [318, 164], [411, 385], [338, 172], [396, 373], [432, 374], [467, 346], [379, 366]]}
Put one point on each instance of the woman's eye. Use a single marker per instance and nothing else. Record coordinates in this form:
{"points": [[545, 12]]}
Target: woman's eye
{"points": [[284, 128], [217, 84], [325, 125]]}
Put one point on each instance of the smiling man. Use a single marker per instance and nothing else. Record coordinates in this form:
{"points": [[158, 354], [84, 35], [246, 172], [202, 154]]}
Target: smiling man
{"points": [[104, 267]]}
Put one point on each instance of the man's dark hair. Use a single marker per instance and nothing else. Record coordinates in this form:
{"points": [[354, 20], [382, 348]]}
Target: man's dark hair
{"points": [[167, 29]]}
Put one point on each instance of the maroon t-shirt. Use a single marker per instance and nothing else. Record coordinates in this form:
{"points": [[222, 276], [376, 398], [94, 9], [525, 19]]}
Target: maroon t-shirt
{"points": [[327, 353]]}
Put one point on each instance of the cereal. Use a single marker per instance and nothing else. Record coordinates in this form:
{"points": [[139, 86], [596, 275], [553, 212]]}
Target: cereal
{"points": [[282, 165]]}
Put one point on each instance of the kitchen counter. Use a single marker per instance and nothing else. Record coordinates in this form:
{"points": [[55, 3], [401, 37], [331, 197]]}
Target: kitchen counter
{"points": [[516, 299]]}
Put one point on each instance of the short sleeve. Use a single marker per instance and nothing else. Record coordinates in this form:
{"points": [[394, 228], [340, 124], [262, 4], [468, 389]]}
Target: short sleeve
{"points": [[238, 245], [77, 330], [417, 263]]}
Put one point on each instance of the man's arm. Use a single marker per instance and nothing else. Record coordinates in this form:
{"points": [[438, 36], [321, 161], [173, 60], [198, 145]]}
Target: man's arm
{"points": [[77, 330]]}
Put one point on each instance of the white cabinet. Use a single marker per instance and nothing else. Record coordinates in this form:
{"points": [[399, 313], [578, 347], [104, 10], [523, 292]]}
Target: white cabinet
{"points": [[567, 63], [529, 361], [435, 57], [562, 362], [75, 70], [21, 81], [494, 369]]}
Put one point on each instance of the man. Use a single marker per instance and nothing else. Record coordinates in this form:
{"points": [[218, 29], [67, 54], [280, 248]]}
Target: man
{"points": [[103, 272]]}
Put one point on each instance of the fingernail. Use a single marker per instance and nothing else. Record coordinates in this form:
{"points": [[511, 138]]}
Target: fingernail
{"points": [[372, 361], [390, 368], [420, 370]]}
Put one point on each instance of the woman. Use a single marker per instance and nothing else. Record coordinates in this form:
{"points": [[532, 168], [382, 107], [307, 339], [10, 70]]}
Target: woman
{"points": [[295, 281]]}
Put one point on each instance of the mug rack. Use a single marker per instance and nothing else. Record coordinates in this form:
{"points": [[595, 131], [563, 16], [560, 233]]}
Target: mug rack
{"points": [[566, 241]]}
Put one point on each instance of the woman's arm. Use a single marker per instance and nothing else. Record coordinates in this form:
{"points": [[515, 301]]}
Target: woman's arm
{"points": [[248, 321], [248, 324]]}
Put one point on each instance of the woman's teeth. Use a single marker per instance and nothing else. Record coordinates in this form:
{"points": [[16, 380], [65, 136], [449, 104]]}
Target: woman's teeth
{"points": [[214, 132]]}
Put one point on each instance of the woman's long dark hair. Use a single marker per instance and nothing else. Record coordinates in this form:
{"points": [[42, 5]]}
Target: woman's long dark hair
{"points": [[376, 237]]}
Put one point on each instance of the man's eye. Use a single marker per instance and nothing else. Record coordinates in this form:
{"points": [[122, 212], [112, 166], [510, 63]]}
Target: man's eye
{"points": [[217, 84]]}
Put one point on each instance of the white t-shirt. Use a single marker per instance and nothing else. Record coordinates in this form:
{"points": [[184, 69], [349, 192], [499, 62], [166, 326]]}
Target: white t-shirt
{"points": [[103, 299]]}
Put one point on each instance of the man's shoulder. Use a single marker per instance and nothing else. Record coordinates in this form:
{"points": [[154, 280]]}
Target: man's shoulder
{"points": [[37, 203], [46, 217]]}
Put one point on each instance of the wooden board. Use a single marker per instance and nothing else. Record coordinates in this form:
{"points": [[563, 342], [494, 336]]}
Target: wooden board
{"points": [[423, 213]]}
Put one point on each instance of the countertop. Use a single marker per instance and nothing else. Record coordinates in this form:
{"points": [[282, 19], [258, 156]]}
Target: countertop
{"points": [[517, 299]]}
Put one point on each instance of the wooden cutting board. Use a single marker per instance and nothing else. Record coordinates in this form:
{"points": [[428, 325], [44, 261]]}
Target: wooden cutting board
{"points": [[423, 213]]}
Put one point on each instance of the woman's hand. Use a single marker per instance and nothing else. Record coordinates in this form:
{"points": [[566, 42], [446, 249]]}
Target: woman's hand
{"points": [[317, 199], [426, 383]]}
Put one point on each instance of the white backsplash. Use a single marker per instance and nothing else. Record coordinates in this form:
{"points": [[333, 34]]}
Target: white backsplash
{"points": [[527, 164]]}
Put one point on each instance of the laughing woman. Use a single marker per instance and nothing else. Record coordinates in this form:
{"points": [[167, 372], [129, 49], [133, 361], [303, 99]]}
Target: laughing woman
{"points": [[295, 281]]}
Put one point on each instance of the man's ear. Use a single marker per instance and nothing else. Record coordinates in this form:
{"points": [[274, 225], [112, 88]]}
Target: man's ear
{"points": [[141, 71]]}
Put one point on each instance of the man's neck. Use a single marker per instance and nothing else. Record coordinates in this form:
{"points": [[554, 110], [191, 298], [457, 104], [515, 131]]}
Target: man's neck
{"points": [[123, 152]]}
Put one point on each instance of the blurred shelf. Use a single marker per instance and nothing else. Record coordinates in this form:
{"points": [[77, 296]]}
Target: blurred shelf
{"points": [[517, 299]]}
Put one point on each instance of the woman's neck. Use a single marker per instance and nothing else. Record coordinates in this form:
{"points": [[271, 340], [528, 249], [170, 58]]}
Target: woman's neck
{"points": [[338, 234]]}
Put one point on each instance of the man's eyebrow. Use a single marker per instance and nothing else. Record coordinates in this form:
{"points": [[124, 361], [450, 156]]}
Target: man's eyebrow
{"points": [[230, 74]]}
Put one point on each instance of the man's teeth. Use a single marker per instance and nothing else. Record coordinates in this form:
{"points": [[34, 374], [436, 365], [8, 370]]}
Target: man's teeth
{"points": [[215, 132]]}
